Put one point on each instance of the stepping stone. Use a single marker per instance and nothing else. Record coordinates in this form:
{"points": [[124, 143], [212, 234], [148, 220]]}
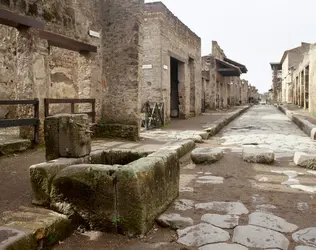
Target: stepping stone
{"points": [[271, 221], [174, 221], [223, 246], [306, 236], [201, 234], [222, 221], [304, 248], [259, 237], [305, 160], [236, 208], [258, 155], [183, 205], [206, 155], [210, 180]]}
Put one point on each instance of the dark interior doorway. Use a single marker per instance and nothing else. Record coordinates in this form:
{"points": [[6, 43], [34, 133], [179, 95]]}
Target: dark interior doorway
{"points": [[174, 88]]}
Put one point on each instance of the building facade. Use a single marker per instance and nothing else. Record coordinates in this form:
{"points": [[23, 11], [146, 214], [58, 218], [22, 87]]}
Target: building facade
{"points": [[71, 49], [224, 86], [171, 63]]}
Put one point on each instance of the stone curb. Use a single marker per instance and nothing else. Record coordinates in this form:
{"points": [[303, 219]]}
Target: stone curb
{"points": [[33, 228], [219, 124], [306, 126]]}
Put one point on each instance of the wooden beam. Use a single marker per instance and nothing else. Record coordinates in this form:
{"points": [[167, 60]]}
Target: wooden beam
{"points": [[66, 43], [15, 20]]}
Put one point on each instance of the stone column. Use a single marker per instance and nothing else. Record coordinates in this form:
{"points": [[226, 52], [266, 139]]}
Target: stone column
{"points": [[121, 67]]}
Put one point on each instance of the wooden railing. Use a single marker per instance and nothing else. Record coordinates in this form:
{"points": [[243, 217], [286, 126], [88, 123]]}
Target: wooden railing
{"points": [[72, 102], [35, 122]]}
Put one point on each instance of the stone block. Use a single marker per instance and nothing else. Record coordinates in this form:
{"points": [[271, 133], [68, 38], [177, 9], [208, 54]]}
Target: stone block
{"points": [[206, 155], [41, 176], [9, 146], [305, 160], [74, 136], [28, 228], [258, 155], [129, 132], [51, 135], [145, 189], [87, 192], [182, 147], [259, 237], [174, 221], [67, 135]]}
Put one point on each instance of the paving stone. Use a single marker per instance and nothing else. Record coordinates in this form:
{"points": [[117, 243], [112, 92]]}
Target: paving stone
{"points": [[201, 234], [223, 246], [305, 160], [210, 180], [222, 221], [14, 239], [270, 221], [259, 237], [186, 189], [306, 236], [304, 248], [236, 208], [258, 155], [183, 204], [174, 221], [206, 155]]}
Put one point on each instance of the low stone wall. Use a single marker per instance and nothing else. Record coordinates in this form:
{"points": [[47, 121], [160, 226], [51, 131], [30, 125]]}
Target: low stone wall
{"points": [[123, 198]]}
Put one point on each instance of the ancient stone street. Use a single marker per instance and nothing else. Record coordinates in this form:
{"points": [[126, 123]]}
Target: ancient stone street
{"points": [[234, 204]]}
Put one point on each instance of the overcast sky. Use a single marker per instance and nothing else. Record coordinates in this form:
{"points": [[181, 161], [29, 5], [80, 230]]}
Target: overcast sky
{"points": [[252, 32]]}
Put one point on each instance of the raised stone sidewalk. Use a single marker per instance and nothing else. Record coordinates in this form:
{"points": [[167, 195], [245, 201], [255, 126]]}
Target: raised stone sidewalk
{"points": [[301, 118]]}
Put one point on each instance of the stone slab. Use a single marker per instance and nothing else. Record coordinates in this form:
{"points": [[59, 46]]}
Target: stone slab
{"points": [[210, 180], [306, 236], [222, 221], [258, 155], [304, 248], [272, 222], [305, 160], [235, 208], [183, 204], [259, 237], [174, 221], [32, 227], [14, 239], [206, 155], [223, 246], [14, 145], [201, 234]]}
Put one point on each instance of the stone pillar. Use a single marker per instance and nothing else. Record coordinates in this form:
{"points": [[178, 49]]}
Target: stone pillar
{"points": [[121, 67]]}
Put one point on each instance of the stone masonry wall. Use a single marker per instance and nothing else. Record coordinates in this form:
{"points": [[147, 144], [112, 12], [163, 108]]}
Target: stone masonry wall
{"points": [[122, 59], [44, 71], [172, 39]]}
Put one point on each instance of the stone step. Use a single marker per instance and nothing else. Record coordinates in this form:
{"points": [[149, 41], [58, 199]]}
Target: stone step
{"points": [[10, 145], [33, 228]]}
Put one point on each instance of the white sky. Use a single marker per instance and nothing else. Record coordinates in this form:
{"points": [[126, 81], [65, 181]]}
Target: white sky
{"points": [[252, 32]]}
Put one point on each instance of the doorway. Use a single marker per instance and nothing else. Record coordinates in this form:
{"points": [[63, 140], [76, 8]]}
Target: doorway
{"points": [[174, 88]]}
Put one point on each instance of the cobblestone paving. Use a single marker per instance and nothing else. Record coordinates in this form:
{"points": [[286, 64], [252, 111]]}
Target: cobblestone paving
{"points": [[267, 127]]}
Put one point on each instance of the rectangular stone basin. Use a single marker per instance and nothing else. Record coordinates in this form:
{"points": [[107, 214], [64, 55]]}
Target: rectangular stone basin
{"points": [[111, 190]]}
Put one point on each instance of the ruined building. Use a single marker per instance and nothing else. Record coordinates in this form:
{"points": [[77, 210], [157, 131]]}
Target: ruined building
{"points": [[221, 80], [74, 49], [171, 63], [283, 81]]}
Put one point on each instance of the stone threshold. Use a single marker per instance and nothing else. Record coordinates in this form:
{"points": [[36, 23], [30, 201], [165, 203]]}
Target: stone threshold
{"points": [[13, 145]]}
